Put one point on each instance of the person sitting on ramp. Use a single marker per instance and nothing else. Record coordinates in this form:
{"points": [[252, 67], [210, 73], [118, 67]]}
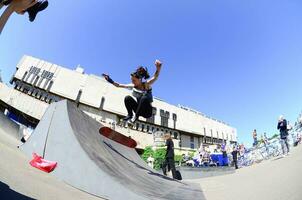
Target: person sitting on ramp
{"points": [[141, 90]]}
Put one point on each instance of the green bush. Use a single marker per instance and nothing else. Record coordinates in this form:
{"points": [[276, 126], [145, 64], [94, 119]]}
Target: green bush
{"points": [[147, 152], [178, 158], [159, 157]]}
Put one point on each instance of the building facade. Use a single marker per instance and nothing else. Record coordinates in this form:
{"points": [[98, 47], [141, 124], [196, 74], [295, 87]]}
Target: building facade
{"points": [[37, 83]]}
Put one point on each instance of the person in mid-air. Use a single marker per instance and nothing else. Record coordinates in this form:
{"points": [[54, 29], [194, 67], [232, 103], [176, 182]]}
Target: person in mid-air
{"points": [[141, 90]]}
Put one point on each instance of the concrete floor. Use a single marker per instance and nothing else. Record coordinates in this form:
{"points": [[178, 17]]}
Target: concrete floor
{"points": [[18, 180], [276, 179]]}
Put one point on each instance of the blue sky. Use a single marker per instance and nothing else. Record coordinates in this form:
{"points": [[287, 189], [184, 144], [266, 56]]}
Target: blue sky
{"points": [[238, 61]]}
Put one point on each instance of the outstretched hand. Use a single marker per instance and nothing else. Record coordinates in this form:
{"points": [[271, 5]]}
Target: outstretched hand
{"points": [[158, 64], [106, 76], [20, 6]]}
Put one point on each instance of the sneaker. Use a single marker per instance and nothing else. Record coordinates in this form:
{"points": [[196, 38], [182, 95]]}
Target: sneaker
{"points": [[38, 7], [127, 118], [133, 120]]}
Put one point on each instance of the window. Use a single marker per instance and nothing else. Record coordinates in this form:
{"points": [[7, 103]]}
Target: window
{"points": [[44, 96], [46, 83], [32, 79], [40, 81], [24, 76], [212, 135], [164, 118], [36, 80], [152, 118], [192, 139], [49, 86], [25, 89], [78, 97], [175, 135], [38, 94], [102, 103], [174, 116]]}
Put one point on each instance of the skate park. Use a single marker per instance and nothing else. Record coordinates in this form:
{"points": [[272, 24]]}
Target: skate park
{"points": [[204, 93], [21, 181]]}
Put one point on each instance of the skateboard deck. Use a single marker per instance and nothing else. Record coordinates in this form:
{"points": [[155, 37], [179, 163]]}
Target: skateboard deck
{"points": [[117, 137]]}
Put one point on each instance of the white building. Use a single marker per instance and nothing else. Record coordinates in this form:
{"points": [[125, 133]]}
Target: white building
{"points": [[37, 83]]}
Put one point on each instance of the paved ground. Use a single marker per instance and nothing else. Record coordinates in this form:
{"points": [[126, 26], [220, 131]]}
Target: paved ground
{"points": [[18, 180], [277, 179]]}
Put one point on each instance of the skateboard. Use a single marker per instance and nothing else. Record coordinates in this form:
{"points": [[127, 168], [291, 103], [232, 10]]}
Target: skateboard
{"points": [[117, 137]]}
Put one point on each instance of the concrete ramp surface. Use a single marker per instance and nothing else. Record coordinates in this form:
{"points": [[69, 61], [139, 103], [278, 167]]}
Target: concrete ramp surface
{"points": [[8, 127], [97, 165]]}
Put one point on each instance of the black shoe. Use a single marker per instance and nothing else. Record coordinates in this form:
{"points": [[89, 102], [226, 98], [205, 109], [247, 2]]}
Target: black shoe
{"points": [[5, 2], [38, 7]]}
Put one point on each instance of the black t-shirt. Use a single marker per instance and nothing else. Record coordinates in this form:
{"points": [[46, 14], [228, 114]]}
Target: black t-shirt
{"points": [[282, 126], [170, 149], [235, 154]]}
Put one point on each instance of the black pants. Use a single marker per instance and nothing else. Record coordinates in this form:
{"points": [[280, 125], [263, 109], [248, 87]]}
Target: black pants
{"points": [[236, 163], [141, 107], [169, 162]]}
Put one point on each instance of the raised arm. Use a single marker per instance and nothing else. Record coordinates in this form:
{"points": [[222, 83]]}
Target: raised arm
{"points": [[107, 77], [18, 6], [5, 16], [158, 65]]}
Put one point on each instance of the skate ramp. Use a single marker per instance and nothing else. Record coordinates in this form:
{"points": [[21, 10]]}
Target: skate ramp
{"points": [[8, 127], [97, 165]]}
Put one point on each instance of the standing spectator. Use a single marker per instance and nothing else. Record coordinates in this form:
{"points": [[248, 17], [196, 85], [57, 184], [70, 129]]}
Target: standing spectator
{"points": [[254, 134], [169, 157], [235, 156], [282, 127]]}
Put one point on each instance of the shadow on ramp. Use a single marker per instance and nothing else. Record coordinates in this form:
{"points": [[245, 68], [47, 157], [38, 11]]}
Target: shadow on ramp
{"points": [[9, 194], [97, 165], [9, 127]]}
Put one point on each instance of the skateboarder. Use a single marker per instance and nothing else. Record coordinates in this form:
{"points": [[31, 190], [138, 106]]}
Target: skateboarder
{"points": [[141, 90], [169, 157]]}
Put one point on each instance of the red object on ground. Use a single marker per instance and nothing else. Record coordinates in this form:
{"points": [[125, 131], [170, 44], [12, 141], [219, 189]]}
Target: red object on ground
{"points": [[41, 164], [117, 137]]}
